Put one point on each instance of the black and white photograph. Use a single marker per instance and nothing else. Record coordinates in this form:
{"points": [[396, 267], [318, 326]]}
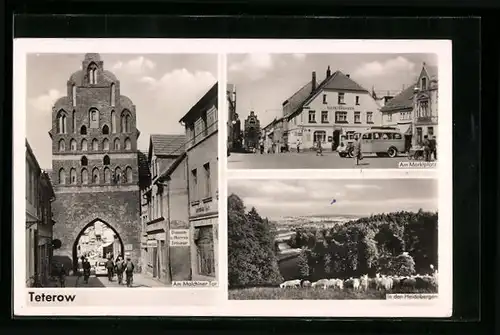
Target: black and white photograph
{"points": [[333, 111], [335, 239], [111, 141]]}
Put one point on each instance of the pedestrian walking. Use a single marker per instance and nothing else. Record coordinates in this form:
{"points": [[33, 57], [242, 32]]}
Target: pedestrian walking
{"points": [[86, 270], [119, 268], [433, 146], [357, 151], [261, 145], [319, 148], [298, 145], [62, 275], [129, 271], [110, 267], [427, 149]]}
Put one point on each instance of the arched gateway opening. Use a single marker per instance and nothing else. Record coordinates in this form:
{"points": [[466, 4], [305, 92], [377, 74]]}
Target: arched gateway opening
{"points": [[96, 241]]}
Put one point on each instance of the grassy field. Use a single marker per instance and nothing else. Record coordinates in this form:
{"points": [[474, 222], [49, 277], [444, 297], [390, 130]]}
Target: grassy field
{"points": [[276, 293]]}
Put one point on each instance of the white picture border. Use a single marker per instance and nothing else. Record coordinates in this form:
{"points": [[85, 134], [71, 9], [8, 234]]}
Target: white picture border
{"points": [[214, 301]]}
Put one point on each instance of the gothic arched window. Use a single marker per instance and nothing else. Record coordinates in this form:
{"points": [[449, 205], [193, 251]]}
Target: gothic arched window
{"points": [[84, 145], [73, 94], [117, 144], [72, 176], [106, 160], [95, 176], [105, 144], [62, 145], [74, 121], [113, 122], [107, 175], [118, 175], [61, 123], [72, 144], [128, 144], [95, 145], [85, 176], [83, 130], [113, 94], [125, 119], [84, 161], [93, 74], [105, 130], [128, 173], [94, 118], [62, 176]]}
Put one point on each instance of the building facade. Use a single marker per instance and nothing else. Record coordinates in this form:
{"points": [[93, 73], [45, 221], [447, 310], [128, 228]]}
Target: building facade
{"points": [[234, 135], [252, 131], [398, 112], [95, 161], [39, 223], [163, 152], [425, 112], [332, 112], [202, 170]]}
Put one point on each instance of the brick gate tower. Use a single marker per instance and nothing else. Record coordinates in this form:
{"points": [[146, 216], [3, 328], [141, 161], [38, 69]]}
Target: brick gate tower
{"points": [[95, 163]]}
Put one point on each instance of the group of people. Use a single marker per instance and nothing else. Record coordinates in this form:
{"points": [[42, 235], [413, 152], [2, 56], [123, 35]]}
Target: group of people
{"points": [[430, 148], [118, 267]]}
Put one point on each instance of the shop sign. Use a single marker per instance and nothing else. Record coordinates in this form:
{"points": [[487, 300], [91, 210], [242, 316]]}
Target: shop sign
{"points": [[128, 247], [340, 108], [179, 238], [152, 243]]}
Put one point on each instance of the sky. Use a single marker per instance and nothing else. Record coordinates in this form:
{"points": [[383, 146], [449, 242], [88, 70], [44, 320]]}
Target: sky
{"points": [[280, 198], [264, 81], [163, 88]]}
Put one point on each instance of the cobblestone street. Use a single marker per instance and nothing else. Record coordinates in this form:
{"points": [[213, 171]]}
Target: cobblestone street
{"points": [[309, 160], [102, 281]]}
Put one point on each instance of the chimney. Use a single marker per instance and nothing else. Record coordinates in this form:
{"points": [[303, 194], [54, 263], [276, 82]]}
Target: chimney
{"points": [[328, 72], [313, 81], [348, 75]]}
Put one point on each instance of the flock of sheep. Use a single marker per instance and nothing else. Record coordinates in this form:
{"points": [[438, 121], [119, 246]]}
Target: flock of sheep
{"points": [[379, 282]]}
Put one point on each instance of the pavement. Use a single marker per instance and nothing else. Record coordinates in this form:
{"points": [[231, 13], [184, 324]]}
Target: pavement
{"points": [[140, 280], [309, 160]]}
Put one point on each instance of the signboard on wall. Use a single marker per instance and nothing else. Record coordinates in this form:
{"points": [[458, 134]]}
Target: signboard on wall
{"points": [[179, 238], [152, 243], [128, 247]]}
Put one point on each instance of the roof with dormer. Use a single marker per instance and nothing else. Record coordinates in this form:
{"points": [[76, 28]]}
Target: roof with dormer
{"points": [[403, 100]]}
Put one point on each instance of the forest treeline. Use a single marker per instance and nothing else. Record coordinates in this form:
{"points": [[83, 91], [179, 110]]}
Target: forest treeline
{"points": [[401, 243]]}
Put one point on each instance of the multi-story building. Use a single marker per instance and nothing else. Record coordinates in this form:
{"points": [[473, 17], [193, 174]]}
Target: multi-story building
{"points": [[252, 131], [274, 136], [332, 112], [95, 161], [163, 152], [144, 185], [425, 111], [398, 112], [39, 222], [234, 136], [202, 166]]}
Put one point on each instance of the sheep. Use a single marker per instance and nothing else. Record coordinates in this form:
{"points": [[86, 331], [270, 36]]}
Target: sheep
{"points": [[306, 283], [355, 284], [364, 282], [321, 283], [290, 283], [387, 283], [378, 282], [339, 284]]}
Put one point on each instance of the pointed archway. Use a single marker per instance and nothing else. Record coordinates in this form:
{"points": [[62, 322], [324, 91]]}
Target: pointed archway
{"points": [[97, 239]]}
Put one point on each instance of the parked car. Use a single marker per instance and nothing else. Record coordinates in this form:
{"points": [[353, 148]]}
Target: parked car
{"points": [[100, 268]]}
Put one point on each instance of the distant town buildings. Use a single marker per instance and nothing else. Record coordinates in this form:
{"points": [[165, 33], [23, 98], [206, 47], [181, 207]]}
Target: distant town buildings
{"points": [[39, 223]]}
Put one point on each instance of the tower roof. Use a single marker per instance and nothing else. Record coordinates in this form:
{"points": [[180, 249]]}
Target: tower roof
{"points": [[95, 57]]}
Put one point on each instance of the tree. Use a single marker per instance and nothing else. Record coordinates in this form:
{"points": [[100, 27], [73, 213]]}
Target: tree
{"points": [[303, 263], [403, 265], [251, 256]]}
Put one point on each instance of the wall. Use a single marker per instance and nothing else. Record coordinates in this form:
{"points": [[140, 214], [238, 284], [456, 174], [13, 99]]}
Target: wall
{"points": [[74, 211], [366, 104], [180, 257]]}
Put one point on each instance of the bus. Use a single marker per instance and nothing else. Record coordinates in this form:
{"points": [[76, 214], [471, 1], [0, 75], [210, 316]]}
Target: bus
{"points": [[380, 141]]}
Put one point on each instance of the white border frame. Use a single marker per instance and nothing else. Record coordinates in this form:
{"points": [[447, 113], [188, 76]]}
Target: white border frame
{"points": [[214, 301]]}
